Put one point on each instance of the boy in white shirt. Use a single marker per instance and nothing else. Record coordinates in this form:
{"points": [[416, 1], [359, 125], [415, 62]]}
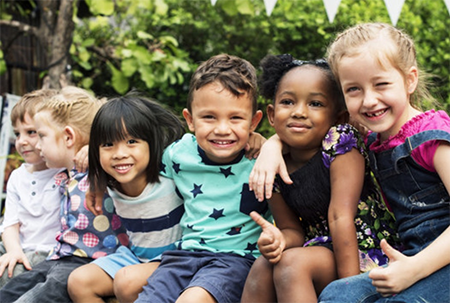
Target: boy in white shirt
{"points": [[31, 218]]}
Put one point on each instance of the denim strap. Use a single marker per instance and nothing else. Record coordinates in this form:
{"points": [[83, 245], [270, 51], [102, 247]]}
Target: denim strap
{"points": [[404, 150]]}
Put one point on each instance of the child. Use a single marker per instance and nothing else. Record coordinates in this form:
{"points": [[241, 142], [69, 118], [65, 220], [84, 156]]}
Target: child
{"points": [[63, 125], [218, 244], [32, 201], [376, 67], [128, 137], [323, 158]]}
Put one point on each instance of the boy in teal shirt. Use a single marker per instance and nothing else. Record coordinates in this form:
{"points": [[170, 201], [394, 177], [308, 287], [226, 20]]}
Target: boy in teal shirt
{"points": [[219, 239]]}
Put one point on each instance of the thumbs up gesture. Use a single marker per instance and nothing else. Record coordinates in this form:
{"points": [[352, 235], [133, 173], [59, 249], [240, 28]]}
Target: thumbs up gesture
{"points": [[271, 242], [397, 276]]}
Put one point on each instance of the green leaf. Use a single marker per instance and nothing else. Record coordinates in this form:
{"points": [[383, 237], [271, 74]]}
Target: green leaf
{"points": [[87, 82], [245, 7], [101, 7], [83, 54], [142, 55], [88, 42], [144, 36], [168, 39], [161, 7], [229, 6], [119, 81], [147, 75], [129, 66]]}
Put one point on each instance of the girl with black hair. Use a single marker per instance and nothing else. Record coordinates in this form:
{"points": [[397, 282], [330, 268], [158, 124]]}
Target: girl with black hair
{"points": [[330, 220]]}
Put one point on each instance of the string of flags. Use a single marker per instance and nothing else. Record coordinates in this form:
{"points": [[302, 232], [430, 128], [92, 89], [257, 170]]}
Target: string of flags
{"points": [[394, 8]]}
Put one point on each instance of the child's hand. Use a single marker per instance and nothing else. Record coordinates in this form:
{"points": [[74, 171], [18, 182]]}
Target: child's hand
{"points": [[271, 242], [81, 159], [254, 144], [397, 276], [269, 163], [94, 202], [10, 260]]}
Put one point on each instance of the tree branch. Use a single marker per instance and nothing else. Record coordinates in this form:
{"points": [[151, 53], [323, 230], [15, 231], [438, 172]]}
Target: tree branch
{"points": [[21, 26]]}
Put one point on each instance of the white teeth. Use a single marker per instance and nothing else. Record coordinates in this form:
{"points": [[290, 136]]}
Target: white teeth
{"points": [[222, 142], [122, 167], [378, 113]]}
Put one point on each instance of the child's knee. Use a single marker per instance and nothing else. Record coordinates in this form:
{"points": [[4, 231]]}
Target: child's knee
{"points": [[121, 286], [78, 280]]}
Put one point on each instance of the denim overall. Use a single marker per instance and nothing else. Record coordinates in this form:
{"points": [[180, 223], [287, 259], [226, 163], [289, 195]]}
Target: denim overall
{"points": [[421, 205]]}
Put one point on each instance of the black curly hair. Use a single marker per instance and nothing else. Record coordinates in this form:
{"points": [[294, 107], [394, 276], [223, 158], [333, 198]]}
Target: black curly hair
{"points": [[274, 67]]}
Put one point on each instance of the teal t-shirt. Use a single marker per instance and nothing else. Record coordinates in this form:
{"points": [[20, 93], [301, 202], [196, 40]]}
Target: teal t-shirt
{"points": [[216, 198]]}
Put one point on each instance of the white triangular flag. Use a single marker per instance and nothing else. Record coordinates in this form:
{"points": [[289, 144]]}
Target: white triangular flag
{"points": [[213, 2], [394, 8], [447, 3], [331, 6], [270, 4]]}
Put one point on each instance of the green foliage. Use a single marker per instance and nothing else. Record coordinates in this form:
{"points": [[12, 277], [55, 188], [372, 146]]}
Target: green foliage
{"points": [[155, 45], [2, 63]]}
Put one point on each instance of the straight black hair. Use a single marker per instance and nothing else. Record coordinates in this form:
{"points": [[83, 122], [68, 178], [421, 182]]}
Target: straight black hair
{"points": [[136, 116]]}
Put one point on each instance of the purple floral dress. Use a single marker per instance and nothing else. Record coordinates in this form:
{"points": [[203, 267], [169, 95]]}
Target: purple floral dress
{"points": [[309, 197]]}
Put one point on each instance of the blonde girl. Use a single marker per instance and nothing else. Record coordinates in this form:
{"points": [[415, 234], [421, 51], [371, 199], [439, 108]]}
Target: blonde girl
{"points": [[376, 67]]}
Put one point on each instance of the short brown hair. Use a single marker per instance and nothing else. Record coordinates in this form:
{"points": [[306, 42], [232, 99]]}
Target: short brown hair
{"points": [[234, 73], [28, 104]]}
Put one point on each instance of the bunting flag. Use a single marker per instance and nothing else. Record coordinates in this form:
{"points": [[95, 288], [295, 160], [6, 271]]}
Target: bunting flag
{"points": [[394, 8], [331, 6], [447, 3], [270, 4]]}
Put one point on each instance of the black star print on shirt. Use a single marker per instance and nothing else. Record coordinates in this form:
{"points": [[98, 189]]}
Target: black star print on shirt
{"points": [[251, 246], [234, 231], [217, 213], [197, 190], [226, 172], [176, 167]]}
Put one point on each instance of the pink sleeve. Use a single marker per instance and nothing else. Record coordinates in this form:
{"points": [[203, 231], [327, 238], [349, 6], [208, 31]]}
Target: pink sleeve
{"points": [[424, 154]]}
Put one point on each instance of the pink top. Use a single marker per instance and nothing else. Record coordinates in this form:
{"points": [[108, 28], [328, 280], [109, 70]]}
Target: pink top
{"points": [[424, 154]]}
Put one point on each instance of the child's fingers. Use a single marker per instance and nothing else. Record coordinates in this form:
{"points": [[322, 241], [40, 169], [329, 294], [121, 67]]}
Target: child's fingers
{"points": [[260, 220]]}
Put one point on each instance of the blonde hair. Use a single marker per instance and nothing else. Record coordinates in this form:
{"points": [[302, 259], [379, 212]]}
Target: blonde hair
{"points": [[74, 107], [400, 53], [28, 104]]}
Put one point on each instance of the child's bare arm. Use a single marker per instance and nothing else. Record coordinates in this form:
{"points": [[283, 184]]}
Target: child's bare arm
{"points": [[346, 179], [404, 271], [81, 159], [94, 201], [253, 147], [14, 253], [269, 163]]}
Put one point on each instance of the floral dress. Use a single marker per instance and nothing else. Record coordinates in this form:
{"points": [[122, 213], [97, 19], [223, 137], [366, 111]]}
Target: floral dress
{"points": [[309, 197]]}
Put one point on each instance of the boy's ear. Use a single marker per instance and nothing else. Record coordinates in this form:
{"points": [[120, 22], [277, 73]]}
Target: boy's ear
{"points": [[70, 136], [256, 119], [189, 120], [412, 79], [270, 111]]}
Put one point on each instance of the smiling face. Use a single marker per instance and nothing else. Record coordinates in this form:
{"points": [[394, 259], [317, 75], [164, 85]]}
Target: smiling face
{"points": [[304, 109], [221, 121], [377, 95], [126, 161], [26, 140]]}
